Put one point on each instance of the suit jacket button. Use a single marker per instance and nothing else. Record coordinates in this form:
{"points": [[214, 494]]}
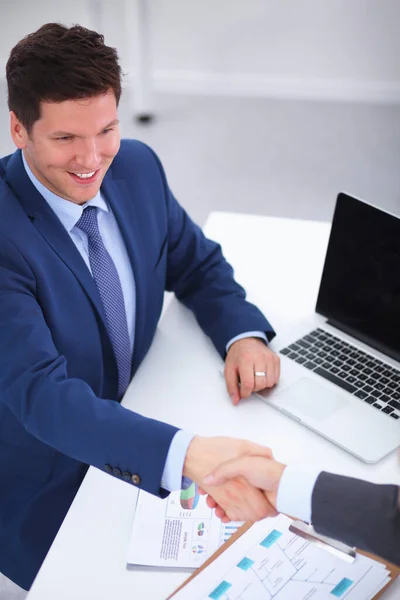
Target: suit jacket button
{"points": [[135, 479], [108, 468], [126, 476], [117, 472]]}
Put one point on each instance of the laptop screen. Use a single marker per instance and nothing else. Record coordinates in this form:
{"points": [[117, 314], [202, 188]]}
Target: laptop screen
{"points": [[360, 286]]}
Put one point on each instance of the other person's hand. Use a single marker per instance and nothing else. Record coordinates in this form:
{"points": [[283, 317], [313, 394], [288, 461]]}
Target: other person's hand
{"points": [[261, 472], [237, 499], [252, 364]]}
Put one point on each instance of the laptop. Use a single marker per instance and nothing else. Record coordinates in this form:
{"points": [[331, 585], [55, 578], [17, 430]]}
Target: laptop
{"points": [[340, 370]]}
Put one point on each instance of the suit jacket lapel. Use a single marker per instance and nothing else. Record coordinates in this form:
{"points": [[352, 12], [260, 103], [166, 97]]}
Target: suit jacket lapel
{"points": [[124, 209], [51, 229]]}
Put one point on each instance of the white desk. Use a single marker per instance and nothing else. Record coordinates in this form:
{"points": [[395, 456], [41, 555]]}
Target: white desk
{"points": [[279, 261]]}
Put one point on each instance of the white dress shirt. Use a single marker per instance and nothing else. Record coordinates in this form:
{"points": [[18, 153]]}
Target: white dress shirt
{"points": [[295, 491]]}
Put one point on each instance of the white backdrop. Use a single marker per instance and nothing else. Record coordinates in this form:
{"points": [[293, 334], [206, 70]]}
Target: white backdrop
{"points": [[344, 49]]}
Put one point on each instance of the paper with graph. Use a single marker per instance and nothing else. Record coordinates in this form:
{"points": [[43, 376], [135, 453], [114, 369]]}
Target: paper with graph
{"points": [[180, 531], [269, 562]]}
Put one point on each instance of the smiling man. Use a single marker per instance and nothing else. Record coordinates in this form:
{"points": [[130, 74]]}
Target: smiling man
{"points": [[90, 238], [71, 162]]}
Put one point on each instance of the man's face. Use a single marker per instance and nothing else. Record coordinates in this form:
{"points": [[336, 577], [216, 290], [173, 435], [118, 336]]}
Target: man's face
{"points": [[72, 145]]}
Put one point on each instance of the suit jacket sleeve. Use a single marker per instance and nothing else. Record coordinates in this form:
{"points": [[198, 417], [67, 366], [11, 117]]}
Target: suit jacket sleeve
{"points": [[61, 411], [358, 513], [203, 280]]}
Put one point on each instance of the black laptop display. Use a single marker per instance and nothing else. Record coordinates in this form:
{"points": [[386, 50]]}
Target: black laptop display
{"points": [[360, 286]]}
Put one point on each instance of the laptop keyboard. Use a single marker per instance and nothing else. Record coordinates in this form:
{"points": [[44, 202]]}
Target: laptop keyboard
{"points": [[357, 372]]}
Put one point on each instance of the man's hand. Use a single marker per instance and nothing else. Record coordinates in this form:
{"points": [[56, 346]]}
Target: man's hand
{"points": [[262, 473], [236, 498], [246, 362]]}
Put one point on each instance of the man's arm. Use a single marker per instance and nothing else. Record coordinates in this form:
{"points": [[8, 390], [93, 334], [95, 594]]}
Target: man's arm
{"points": [[202, 279], [64, 413], [60, 411], [356, 512]]}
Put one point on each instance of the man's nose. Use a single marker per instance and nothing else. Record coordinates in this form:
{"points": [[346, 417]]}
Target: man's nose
{"points": [[88, 156]]}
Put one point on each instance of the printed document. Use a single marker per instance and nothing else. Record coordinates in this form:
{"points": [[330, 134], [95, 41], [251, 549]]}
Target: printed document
{"points": [[180, 531]]}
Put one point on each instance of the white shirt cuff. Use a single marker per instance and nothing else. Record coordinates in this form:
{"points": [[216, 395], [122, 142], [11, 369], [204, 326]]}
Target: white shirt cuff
{"points": [[172, 475], [295, 492], [241, 336]]}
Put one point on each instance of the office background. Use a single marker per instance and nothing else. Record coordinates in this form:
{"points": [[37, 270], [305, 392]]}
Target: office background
{"points": [[264, 106]]}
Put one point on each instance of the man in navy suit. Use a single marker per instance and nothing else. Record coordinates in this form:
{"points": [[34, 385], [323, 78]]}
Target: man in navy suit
{"points": [[90, 238]]}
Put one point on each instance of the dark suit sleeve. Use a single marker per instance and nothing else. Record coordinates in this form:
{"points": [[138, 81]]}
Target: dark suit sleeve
{"points": [[203, 280], [358, 513]]}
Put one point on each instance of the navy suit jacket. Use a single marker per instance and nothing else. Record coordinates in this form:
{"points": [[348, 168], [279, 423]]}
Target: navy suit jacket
{"points": [[59, 410]]}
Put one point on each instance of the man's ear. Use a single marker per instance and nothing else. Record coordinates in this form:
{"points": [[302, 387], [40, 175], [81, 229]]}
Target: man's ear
{"points": [[18, 131]]}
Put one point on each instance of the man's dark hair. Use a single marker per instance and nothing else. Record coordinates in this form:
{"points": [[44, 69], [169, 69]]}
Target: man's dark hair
{"points": [[57, 63]]}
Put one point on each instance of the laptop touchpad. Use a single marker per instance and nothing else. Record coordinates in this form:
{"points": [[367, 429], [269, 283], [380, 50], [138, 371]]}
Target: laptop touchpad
{"points": [[309, 399]]}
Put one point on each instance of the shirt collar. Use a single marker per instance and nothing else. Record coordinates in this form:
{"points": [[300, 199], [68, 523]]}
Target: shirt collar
{"points": [[68, 212]]}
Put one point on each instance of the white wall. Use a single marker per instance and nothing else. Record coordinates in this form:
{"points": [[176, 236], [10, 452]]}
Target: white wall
{"points": [[316, 48], [345, 49], [20, 17], [356, 39]]}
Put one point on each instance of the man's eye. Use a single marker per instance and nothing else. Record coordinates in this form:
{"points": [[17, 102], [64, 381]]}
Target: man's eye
{"points": [[64, 138], [107, 130]]}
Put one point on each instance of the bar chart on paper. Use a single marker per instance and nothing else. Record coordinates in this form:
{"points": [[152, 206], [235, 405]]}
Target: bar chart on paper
{"points": [[227, 530]]}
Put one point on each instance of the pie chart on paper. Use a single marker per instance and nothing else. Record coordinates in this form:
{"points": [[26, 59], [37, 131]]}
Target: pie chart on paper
{"points": [[189, 498]]}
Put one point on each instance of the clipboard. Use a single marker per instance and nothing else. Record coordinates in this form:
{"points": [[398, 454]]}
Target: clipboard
{"points": [[394, 571]]}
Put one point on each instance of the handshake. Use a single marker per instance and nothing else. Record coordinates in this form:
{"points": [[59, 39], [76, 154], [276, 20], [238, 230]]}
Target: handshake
{"points": [[240, 478], [243, 482]]}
